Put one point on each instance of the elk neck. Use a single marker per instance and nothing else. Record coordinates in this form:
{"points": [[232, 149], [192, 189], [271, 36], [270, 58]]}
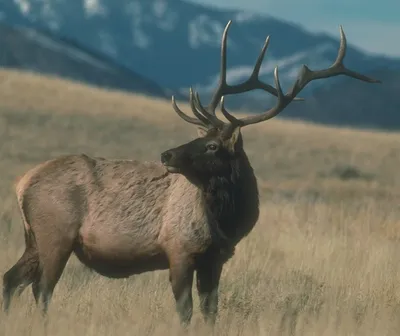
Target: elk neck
{"points": [[232, 200]]}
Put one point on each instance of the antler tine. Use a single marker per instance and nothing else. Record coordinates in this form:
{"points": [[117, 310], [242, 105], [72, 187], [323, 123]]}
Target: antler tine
{"points": [[222, 85], [252, 83], [340, 57], [184, 116], [196, 112], [201, 108], [200, 120], [337, 68], [213, 119], [280, 105], [305, 76], [204, 117], [233, 120]]}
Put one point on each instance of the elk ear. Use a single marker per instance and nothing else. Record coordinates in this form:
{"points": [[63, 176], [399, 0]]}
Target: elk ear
{"points": [[232, 142], [201, 132]]}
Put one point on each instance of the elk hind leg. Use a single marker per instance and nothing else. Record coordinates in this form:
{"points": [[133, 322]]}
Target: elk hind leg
{"points": [[52, 265], [18, 277]]}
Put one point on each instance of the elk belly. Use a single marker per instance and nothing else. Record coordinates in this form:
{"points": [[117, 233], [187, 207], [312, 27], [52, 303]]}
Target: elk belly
{"points": [[118, 258]]}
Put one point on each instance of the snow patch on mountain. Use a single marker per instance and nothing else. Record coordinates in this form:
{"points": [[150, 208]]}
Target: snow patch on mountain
{"points": [[139, 37], [94, 7], [160, 8], [165, 17], [108, 45], [245, 16], [48, 43], [204, 30], [24, 6]]}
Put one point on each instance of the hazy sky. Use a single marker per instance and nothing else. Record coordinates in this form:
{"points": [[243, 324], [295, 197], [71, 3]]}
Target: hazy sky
{"points": [[373, 25]]}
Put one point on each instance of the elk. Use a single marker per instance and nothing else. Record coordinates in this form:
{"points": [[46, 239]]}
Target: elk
{"points": [[184, 214]]}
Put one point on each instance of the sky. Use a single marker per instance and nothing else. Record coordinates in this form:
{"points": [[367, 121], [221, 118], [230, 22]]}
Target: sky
{"points": [[373, 25]]}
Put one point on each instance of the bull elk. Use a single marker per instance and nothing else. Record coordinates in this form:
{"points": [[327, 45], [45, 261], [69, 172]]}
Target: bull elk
{"points": [[185, 214]]}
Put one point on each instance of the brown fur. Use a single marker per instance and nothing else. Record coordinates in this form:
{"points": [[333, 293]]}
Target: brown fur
{"points": [[123, 217]]}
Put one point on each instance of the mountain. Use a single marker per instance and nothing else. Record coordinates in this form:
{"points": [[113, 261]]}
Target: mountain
{"points": [[353, 103], [32, 50], [176, 44]]}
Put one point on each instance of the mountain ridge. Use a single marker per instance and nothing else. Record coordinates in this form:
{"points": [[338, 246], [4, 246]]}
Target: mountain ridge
{"points": [[176, 44], [39, 51], [168, 41]]}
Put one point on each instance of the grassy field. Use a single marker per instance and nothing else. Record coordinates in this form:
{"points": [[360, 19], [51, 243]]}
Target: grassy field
{"points": [[323, 259]]}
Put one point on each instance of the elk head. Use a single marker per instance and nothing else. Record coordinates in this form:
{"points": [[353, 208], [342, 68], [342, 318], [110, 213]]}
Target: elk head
{"points": [[220, 141]]}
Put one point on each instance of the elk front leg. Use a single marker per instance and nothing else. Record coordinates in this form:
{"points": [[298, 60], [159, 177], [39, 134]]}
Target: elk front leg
{"points": [[208, 276], [181, 278]]}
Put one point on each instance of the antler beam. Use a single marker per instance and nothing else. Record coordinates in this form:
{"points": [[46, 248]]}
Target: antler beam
{"points": [[206, 116]]}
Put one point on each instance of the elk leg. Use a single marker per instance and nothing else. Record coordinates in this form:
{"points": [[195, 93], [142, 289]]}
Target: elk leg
{"points": [[181, 278], [53, 265], [36, 290], [208, 277], [18, 277]]}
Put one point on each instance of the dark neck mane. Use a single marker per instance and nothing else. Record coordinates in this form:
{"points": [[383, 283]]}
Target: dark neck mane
{"points": [[232, 200]]}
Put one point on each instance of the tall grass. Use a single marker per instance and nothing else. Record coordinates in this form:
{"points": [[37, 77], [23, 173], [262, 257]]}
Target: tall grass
{"points": [[322, 260]]}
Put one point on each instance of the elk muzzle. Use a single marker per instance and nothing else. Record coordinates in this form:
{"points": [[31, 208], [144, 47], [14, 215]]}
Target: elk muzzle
{"points": [[168, 159]]}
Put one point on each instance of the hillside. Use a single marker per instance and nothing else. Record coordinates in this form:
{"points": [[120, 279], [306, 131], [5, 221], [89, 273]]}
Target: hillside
{"points": [[169, 40], [37, 51], [25, 97], [354, 104], [329, 204]]}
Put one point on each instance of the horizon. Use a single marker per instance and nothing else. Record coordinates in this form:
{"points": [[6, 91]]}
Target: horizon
{"points": [[368, 26]]}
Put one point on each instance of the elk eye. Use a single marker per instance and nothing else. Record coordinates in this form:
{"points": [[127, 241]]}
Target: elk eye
{"points": [[212, 146]]}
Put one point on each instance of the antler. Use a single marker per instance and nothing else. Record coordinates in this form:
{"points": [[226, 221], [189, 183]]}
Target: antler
{"points": [[207, 116]]}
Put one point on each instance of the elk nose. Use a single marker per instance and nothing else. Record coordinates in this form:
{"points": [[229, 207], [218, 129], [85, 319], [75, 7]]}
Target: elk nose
{"points": [[166, 156]]}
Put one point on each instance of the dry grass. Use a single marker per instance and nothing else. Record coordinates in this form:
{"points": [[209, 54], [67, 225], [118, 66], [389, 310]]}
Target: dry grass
{"points": [[323, 259]]}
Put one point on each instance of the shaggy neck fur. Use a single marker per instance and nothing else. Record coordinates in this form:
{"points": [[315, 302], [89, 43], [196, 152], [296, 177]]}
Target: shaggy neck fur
{"points": [[232, 200]]}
